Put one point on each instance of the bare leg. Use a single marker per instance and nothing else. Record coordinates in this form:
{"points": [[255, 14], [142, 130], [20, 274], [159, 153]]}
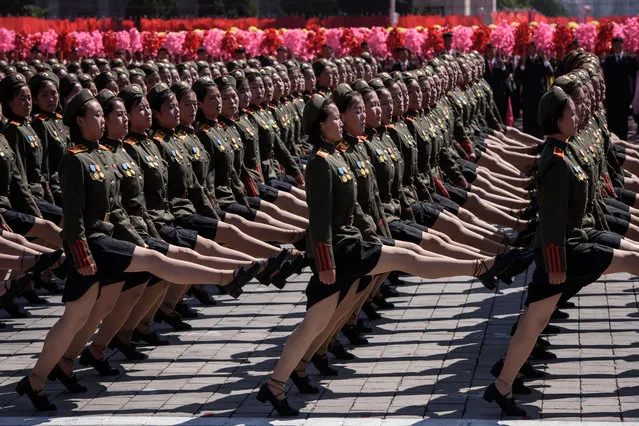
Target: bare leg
{"points": [[62, 334], [290, 203], [264, 232], [116, 319], [210, 248], [233, 237], [104, 305], [285, 216], [47, 231], [149, 298]]}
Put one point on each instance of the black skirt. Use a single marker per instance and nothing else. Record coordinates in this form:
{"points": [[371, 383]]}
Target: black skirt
{"points": [[605, 238], [406, 231], [585, 263], [112, 257], [19, 223], [446, 203], [240, 210], [458, 195], [267, 193], [354, 259], [204, 226], [50, 212], [426, 214]]}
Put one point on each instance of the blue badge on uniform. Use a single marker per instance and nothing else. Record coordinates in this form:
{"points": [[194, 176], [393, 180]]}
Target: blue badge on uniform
{"points": [[378, 151], [146, 157], [30, 138], [194, 149], [92, 167], [124, 166], [340, 170], [359, 164], [219, 142], [173, 153]]}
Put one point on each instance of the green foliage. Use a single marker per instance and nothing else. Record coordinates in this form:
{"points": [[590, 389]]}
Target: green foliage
{"points": [[545, 7]]}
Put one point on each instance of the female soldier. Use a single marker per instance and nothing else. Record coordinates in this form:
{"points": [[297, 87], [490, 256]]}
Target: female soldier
{"points": [[90, 195], [564, 256], [340, 254], [23, 140], [252, 177]]}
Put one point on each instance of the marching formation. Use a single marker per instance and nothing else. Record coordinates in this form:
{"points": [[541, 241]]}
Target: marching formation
{"points": [[135, 183]]}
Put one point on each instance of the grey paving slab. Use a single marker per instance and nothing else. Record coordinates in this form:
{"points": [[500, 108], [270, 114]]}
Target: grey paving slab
{"points": [[428, 358]]}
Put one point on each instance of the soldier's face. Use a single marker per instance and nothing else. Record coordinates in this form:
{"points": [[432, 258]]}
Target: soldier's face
{"points": [[140, 116], [354, 118], [398, 99], [229, 102], [188, 108], [386, 104], [324, 79], [151, 80], [117, 123], [373, 111], [21, 104], [414, 95], [332, 127], [257, 91], [568, 122], [211, 106], [92, 124], [244, 96], [278, 87], [169, 114], [268, 89], [48, 97]]}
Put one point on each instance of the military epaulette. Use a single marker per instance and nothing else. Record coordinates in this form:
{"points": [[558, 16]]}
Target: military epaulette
{"points": [[15, 123], [361, 139], [58, 116], [130, 141], [410, 118], [42, 117], [205, 128], [273, 107], [181, 135], [390, 126], [342, 146], [158, 136], [221, 125], [322, 152], [76, 149], [250, 110], [105, 148], [558, 152]]}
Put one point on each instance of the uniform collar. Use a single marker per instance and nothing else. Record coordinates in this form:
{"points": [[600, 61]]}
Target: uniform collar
{"points": [[351, 140], [554, 142], [186, 129], [113, 143], [328, 146], [226, 120], [167, 132], [137, 136], [89, 144]]}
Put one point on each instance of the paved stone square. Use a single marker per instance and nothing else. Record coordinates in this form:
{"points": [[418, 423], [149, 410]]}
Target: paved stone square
{"points": [[427, 358]]}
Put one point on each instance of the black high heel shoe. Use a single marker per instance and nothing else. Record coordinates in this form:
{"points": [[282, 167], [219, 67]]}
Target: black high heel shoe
{"points": [[203, 297], [174, 320], [241, 277], [322, 365], [32, 297], [14, 288], [280, 405], [15, 311], [271, 267], [128, 350], [526, 370], [506, 404], [488, 277], [518, 384], [339, 351], [354, 336], [520, 263], [542, 353], [186, 311], [303, 384], [69, 382], [39, 401], [45, 261], [102, 366], [370, 311], [382, 303], [362, 327]]}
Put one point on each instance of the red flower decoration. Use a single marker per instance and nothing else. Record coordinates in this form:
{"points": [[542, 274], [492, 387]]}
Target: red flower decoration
{"points": [[65, 43], [315, 39], [561, 40], [192, 42], [151, 42], [229, 43], [434, 42], [271, 41], [604, 38], [523, 35], [349, 41], [480, 38], [109, 41], [395, 40]]}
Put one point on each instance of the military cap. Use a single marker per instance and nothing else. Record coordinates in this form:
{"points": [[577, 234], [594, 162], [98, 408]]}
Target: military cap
{"points": [[9, 84], [155, 93], [311, 112], [102, 79], [340, 94], [74, 104], [238, 75], [131, 93], [38, 79], [201, 86], [320, 65], [104, 96], [136, 71], [376, 83], [550, 102], [359, 84]]}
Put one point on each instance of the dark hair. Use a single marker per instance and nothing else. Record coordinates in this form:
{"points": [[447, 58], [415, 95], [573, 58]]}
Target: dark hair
{"points": [[348, 101], [549, 121], [36, 90], [74, 130], [181, 90], [109, 105], [199, 115], [157, 103], [315, 132], [8, 96]]}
